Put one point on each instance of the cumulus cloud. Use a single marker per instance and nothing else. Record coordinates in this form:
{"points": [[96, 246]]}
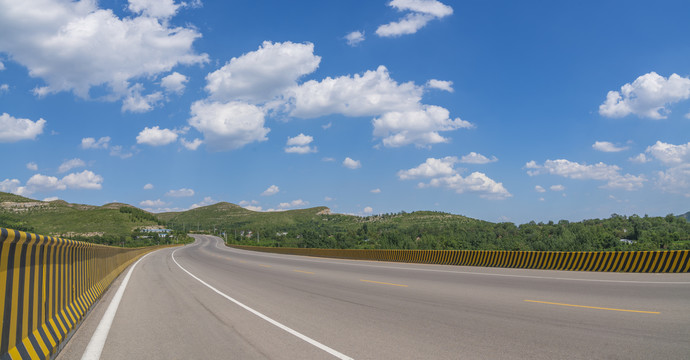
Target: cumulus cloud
{"points": [[539, 189], [135, 102], [91, 143], [418, 127], [675, 180], [557, 188], [272, 190], [300, 144], [476, 182], [375, 191], [148, 186], [174, 83], [228, 126], [368, 210], [4, 88], [180, 193], [640, 159], [352, 164], [41, 183], [260, 75], [206, 202], [440, 85], [15, 129], [430, 168], [83, 180], [370, 94], [51, 198], [156, 136], [191, 145], [119, 152], [420, 13], [293, 204], [649, 96], [71, 164], [475, 158], [600, 171], [444, 175], [32, 166], [74, 46], [354, 38], [10, 186], [158, 203], [670, 154], [606, 146]]}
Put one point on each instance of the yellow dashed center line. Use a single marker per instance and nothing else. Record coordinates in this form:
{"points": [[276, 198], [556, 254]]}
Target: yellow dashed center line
{"points": [[382, 283], [302, 271], [266, 266], [593, 307]]}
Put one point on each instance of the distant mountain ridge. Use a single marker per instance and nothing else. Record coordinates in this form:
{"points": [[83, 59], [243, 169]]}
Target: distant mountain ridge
{"points": [[686, 216]]}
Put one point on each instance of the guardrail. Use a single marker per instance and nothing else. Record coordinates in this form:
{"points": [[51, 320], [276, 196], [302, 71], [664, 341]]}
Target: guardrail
{"points": [[47, 285], [674, 261]]}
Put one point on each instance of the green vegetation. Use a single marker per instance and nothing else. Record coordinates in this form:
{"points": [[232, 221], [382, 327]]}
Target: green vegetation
{"points": [[120, 224]]}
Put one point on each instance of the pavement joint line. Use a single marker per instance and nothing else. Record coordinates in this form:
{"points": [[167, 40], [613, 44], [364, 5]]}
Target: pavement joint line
{"points": [[266, 318], [592, 307], [304, 272], [382, 283], [95, 347]]}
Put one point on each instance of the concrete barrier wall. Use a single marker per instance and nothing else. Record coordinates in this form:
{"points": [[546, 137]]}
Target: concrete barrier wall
{"points": [[47, 285], [676, 261]]}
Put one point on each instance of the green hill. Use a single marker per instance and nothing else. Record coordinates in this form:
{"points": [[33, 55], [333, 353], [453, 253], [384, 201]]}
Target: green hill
{"points": [[59, 218], [685, 216]]}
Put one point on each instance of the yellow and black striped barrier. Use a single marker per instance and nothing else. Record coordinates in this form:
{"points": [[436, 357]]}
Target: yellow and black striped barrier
{"points": [[47, 285], [674, 261]]}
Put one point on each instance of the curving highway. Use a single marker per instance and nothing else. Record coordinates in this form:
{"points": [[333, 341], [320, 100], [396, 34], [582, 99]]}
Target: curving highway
{"points": [[207, 301]]}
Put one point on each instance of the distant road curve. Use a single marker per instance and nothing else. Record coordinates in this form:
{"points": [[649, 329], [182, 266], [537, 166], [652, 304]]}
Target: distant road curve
{"points": [[213, 302]]}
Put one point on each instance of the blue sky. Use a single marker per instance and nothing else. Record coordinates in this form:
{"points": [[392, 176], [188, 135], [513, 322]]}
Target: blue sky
{"points": [[497, 110]]}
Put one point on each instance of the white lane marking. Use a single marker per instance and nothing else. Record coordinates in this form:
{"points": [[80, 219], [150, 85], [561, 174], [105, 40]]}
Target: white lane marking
{"points": [[281, 326], [95, 347], [351, 263]]}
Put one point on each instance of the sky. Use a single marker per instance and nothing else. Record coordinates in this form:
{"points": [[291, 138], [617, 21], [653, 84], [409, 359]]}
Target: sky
{"points": [[497, 110]]}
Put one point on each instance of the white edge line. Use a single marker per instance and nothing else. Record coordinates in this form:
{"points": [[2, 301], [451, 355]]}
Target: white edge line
{"points": [[95, 347], [281, 326], [349, 263]]}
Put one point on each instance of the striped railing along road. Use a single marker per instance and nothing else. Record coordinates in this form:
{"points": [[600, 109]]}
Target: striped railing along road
{"points": [[47, 284], [674, 261]]}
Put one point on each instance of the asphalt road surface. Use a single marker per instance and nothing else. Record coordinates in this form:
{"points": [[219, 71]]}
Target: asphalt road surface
{"points": [[207, 301]]}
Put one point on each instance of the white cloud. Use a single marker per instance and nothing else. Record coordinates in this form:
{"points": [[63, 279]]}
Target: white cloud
{"points": [[174, 83], [148, 186], [153, 203], [419, 127], [272, 190], [670, 154], [91, 143], [263, 74], [675, 180], [245, 202], [421, 12], [156, 136], [253, 208], [180, 193], [600, 171], [352, 164], [475, 158], [154, 8], [640, 159], [40, 182], [135, 102], [300, 144], [354, 38], [476, 182], [557, 188], [191, 145], [440, 84], [375, 191], [2, 66], [74, 45], [370, 94], [83, 180], [430, 168], [328, 159], [327, 198], [606, 146], [71, 164], [4, 88], [293, 204], [15, 129], [228, 126], [10, 186], [368, 210], [51, 198], [539, 189], [32, 166], [648, 96], [206, 202], [119, 152]]}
